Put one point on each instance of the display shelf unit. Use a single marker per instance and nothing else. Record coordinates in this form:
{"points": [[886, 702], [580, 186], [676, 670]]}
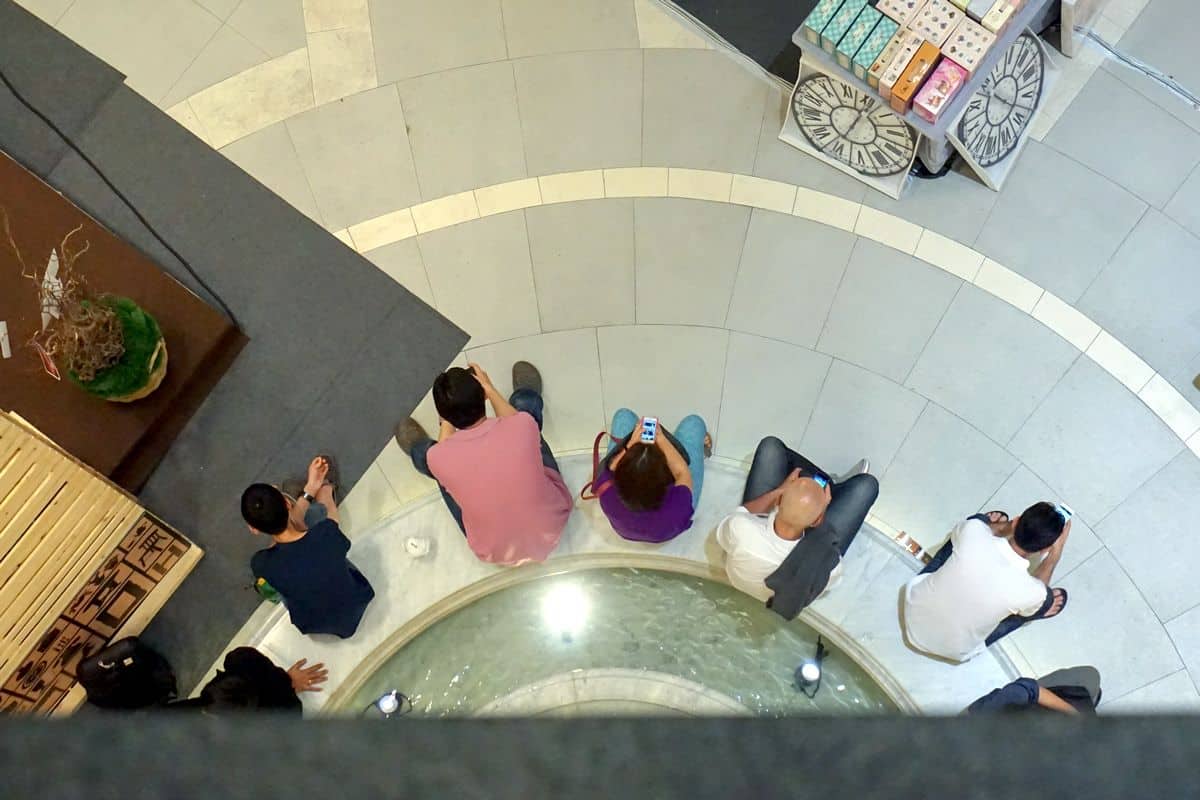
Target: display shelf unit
{"points": [[936, 131]]}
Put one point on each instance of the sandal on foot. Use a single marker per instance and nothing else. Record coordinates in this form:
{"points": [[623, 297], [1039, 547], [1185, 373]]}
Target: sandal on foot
{"points": [[333, 477], [912, 546], [989, 514], [1057, 593]]}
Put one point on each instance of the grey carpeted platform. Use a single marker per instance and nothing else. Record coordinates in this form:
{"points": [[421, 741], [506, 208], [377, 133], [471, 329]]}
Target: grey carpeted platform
{"points": [[761, 29], [338, 350]]}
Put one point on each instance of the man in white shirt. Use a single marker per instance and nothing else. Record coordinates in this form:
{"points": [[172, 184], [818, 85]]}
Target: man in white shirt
{"points": [[978, 589], [785, 542]]}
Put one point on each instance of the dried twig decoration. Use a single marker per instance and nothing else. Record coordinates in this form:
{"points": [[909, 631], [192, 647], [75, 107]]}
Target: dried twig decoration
{"points": [[83, 333]]}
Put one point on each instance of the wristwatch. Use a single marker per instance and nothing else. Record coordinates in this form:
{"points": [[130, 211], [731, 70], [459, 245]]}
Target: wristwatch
{"points": [[306, 496]]}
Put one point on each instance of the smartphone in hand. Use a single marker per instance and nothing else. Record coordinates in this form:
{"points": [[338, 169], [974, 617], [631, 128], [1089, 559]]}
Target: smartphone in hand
{"points": [[649, 430]]}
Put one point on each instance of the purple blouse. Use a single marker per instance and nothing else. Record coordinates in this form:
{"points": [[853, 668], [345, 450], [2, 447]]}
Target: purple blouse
{"points": [[662, 524]]}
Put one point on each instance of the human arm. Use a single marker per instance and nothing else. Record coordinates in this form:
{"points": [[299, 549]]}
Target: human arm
{"points": [[1045, 570], [444, 430], [765, 502], [675, 460], [307, 679], [500, 404], [318, 468], [1048, 699]]}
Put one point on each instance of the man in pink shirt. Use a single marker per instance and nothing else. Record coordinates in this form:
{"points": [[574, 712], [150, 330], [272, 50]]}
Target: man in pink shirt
{"points": [[497, 476]]}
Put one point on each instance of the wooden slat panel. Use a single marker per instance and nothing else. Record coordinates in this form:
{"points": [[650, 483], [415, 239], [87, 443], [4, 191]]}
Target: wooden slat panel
{"points": [[35, 521]]}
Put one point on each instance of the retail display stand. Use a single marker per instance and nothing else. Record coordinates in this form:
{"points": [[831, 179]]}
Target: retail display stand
{"points": [[81, 564], [849, 127]]}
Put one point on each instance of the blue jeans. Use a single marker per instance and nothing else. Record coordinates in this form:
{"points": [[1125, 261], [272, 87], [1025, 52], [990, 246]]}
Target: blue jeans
{"points": [[524, 400], [688, 438], [1009, 623]]}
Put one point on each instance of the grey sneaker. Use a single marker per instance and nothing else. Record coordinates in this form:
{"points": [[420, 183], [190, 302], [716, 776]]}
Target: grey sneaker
{"points": [[526, 376], [408, 433], [861, 467]]}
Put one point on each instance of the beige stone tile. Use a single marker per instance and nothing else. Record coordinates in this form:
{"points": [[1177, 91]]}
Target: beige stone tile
{"points": [[748, 190], [1193, 444], [567, 186], [1120, 362], [658, 27], [826, 209], [261, 96], [371, 499], [342, 62], [887, 229], [1065, 320], [383, 230], [1010, 287], [185, 116], [445, 211], [328, 15], [947, 254], [509, 196], [635, 182], [344, 236], [699, 184], [1171, 407]]}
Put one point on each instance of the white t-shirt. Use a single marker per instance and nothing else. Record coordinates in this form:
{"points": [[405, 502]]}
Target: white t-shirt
{"points": [[753, 551], [950, 612]]}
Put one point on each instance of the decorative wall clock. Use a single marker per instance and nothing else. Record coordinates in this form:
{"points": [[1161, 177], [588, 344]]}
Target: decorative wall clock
{"points": [[852, 127], [998, 113]]}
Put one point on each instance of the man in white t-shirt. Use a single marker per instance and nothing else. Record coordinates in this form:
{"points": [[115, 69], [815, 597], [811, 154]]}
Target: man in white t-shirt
{"points": [[785, 542], [978, 588]]}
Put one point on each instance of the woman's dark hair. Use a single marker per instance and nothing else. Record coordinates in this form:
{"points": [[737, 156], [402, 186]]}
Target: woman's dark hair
{"points": [[1038, 527], [264, 508], [458, 397], [230, 693], [642, 477]]}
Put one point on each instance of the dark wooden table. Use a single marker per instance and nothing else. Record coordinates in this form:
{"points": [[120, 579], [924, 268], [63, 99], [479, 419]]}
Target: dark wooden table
{"points": [[124, 441]]}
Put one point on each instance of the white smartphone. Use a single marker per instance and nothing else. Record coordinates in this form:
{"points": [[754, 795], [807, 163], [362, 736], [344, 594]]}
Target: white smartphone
{"points": [[1065, 511], [649, 430]]}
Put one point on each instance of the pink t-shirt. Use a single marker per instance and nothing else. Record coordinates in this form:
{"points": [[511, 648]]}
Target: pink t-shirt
{"points": [[514, 507]]}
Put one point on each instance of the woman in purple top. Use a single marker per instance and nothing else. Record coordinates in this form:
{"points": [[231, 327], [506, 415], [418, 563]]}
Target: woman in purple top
{"points": [[649, 491]]}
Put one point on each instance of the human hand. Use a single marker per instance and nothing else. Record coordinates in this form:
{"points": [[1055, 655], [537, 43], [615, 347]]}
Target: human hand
{"points": [[318, 468], [481, 376], [307, 679], [791, 478]]}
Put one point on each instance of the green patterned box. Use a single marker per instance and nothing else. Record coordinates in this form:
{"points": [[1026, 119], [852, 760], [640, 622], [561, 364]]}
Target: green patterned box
{"points": [[840, 23], [819, 18], [864, 23], [873, 46]]}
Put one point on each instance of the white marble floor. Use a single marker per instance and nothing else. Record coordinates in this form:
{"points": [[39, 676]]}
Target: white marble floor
{"points": [[582, 183]]}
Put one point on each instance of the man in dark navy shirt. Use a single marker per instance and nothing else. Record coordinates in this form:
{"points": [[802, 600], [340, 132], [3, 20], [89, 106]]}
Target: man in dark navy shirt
{"points": [[323, 591], [1069, 691]]}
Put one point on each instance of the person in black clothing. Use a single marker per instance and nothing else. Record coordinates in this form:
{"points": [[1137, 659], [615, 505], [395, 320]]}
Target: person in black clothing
{"points": [[323, 591], [1067, 691], [249, 681]]}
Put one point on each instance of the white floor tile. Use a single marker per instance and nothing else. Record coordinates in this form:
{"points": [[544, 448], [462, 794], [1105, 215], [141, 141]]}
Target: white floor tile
{"points": [[1008, 286], [887, 229], [635, 182], [568, 186], [699, 184], [1171, 407], [826, 208], [277, 26], [402, 261], [384, 230], [1066, 321], [342, 62], [659, 28], [508, 196], [947, 254], [281, 88], [1174, 694], [1120, 362], [445, 211], [762, 193]]}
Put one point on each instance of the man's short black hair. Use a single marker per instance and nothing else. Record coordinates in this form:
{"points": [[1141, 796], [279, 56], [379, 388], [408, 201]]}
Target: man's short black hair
{"points": [[264, 508], [1038, 527], [458, 397], [228, 692]]}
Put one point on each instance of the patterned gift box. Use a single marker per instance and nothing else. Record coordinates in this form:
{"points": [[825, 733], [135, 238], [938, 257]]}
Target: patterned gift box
{"points": [[874, 46], [913, 76], [819, 18], [904, 53], [968, 45], [939, 90], [997, 18], [901, 10], [978, 9], [840, 23], [866, 21], [937, 21]]}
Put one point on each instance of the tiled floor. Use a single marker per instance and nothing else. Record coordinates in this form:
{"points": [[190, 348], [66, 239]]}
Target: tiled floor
{"points": [[757, 305]]}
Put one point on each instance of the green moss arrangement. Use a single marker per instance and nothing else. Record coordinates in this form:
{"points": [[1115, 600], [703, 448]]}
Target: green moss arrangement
{"points": [[132, 371]]}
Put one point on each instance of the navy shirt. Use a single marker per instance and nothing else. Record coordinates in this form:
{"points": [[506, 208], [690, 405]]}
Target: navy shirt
{"points": [[323, 591], [1021, 693]]}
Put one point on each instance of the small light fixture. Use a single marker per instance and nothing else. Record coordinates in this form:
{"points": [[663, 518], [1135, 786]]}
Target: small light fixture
{"points": [[808, 674], [390, 704]]}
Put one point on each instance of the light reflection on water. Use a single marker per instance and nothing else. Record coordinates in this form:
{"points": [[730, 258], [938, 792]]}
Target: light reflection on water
{"points": [[700, 630]]}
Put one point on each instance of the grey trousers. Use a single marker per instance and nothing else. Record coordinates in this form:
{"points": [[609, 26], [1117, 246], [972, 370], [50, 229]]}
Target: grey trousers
{"points": [[1087, 677]]}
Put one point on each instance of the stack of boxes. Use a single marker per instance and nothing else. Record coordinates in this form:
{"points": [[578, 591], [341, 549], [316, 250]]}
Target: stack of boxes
{"points": [[916, 53]]}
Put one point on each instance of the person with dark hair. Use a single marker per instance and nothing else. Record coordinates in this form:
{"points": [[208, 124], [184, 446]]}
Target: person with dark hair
{"points": [[649, 490], [249, 681], [497, 476], [786, 541], [978, 588], [1075, 690], [323, 591]]}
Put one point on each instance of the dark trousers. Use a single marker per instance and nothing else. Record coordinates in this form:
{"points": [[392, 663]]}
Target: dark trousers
{"points": [[852, 498], [1009, 623], [524, 400]]}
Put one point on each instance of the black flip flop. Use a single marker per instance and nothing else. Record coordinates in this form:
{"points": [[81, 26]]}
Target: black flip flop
{"points": [[333, 477], [1004, 514], [1061, 608]]}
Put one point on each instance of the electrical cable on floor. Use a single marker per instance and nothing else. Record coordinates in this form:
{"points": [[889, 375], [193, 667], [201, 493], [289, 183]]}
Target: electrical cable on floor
{"points": [[78, 151], [1162, 78]]}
